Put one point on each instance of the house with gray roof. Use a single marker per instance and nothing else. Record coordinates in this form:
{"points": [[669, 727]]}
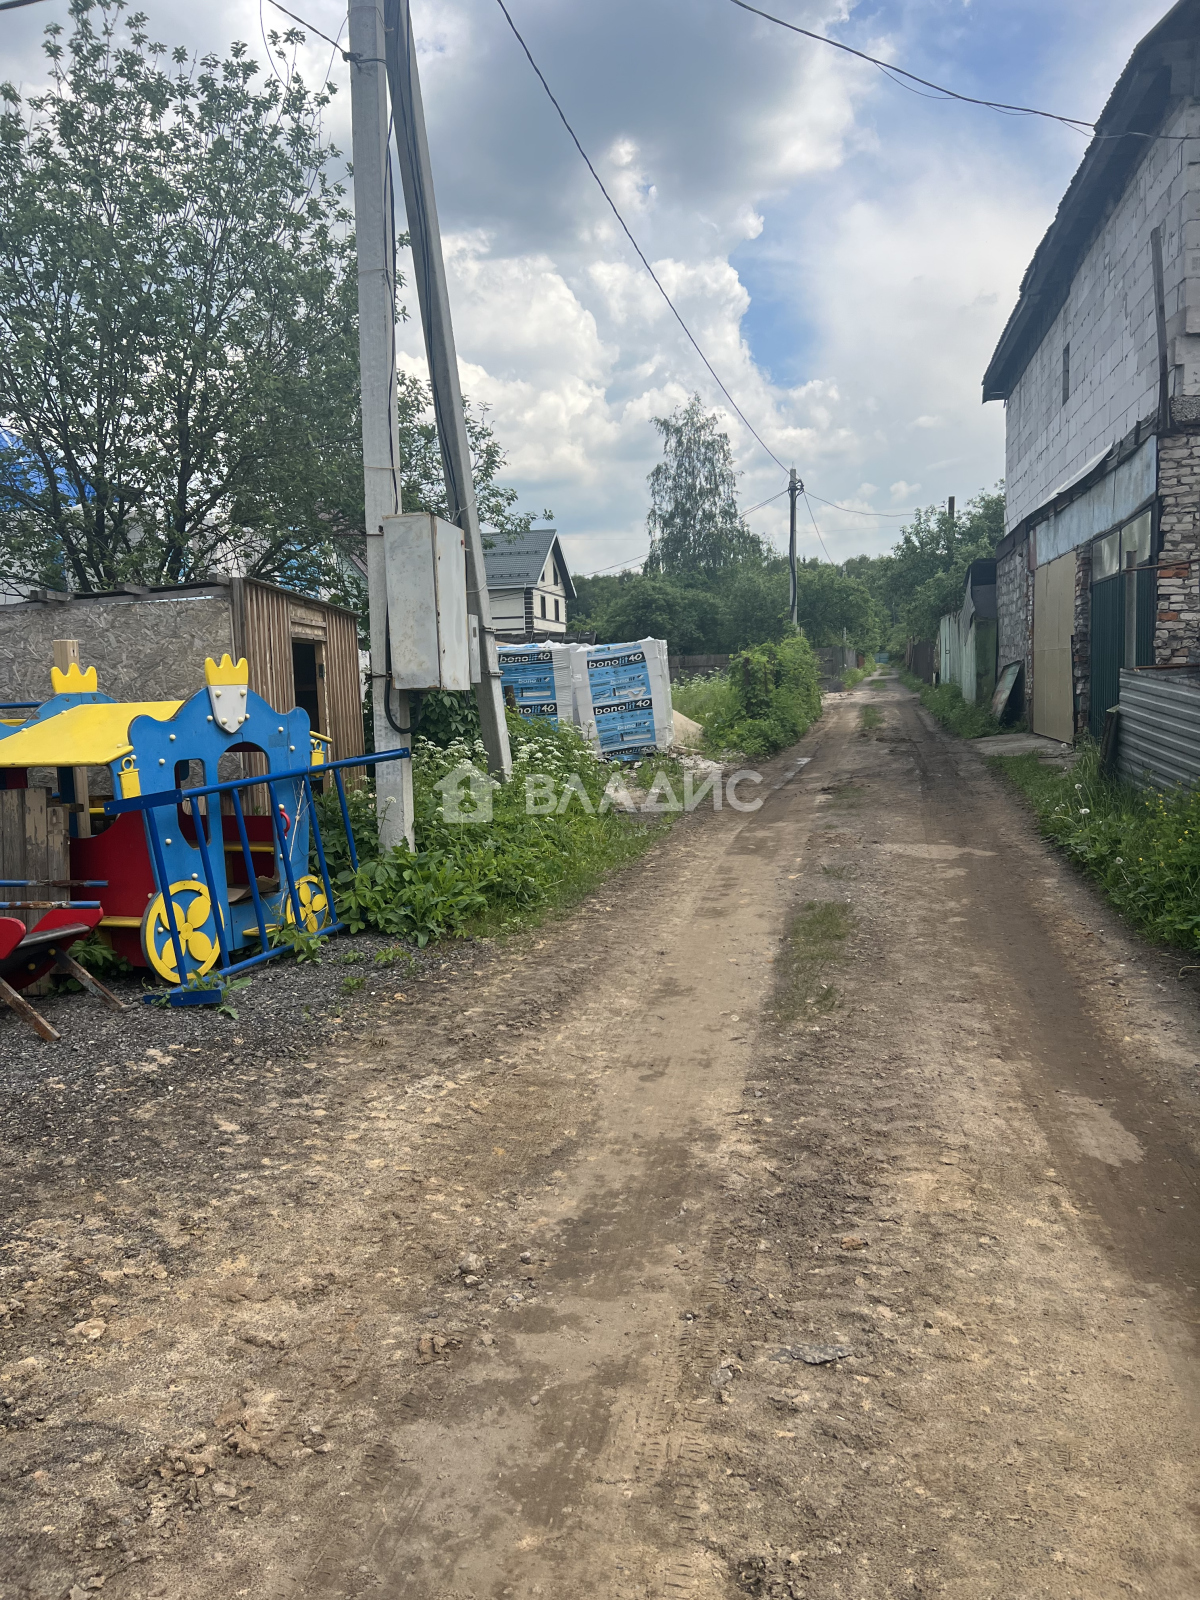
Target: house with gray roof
{"points": [[529, 586]]}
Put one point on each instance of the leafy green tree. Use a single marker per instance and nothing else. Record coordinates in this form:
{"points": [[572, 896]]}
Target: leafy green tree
{"points": [[179, 388], [694, 524]]}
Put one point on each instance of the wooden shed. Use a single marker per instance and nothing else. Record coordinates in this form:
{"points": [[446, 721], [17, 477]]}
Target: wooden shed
{"points": [[151, 644]]}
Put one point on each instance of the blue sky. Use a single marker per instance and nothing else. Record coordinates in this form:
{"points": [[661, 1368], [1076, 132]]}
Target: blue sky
{"points": [[845, 251]]}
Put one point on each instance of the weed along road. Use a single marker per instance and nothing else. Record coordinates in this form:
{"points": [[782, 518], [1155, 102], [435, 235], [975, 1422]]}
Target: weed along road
{"points": [[812, 1213]]}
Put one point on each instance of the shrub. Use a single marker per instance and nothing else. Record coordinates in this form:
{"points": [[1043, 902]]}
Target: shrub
{"points": [[774, 698], [475, 876], [952, 711], [1142, 849]]}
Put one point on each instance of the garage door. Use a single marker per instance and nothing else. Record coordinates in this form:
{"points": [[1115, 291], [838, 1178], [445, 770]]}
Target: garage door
{"points": [[1053, 620]]}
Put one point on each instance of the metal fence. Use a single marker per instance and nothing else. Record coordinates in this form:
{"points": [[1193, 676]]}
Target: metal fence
{"points": [[1158, 731], [148, 804]]}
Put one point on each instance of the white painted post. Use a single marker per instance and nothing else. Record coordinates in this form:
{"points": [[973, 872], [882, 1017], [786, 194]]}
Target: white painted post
{"points": [[375, 234]]}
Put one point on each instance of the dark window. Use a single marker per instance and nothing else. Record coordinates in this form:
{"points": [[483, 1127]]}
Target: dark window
{"points": [[543, 605], [556, 616], [1066, 373]]}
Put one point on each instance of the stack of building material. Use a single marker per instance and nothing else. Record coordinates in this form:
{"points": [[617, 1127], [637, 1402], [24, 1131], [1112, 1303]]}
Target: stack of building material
{"points": [[623, 697], [537, 680]]}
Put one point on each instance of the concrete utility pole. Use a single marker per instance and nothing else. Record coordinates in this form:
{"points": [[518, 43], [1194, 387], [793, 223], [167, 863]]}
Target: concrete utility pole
{"points": [[429, 270], [375, 233], [794, 487]]}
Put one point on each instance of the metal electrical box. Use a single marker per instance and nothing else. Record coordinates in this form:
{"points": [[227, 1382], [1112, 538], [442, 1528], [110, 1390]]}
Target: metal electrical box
{"points": [[427, 602]]}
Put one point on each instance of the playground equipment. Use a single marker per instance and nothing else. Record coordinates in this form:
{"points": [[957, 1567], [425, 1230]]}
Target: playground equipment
{"points": [[203, 867]]}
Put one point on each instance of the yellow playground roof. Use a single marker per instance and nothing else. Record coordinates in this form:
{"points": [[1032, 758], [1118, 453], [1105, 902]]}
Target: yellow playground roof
{"points": [[82, 736]]}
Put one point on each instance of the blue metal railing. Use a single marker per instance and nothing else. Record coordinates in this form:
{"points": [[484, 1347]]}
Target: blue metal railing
{"points": [[147, 804]]}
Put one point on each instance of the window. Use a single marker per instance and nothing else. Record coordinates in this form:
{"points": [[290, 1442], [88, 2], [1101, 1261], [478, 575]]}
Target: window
{"points": [[1066, 373], [543, 605], [556, 615], [1110, 555]]}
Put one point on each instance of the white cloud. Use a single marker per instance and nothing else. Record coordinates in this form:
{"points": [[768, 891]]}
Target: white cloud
{"points": [[845, 254]]}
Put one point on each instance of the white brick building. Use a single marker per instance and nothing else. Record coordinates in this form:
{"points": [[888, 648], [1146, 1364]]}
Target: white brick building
{"points": [[1099, 368]]}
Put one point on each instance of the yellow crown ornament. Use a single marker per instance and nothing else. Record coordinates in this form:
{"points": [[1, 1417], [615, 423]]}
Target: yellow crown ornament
{"points": [[228, 687], [73, 681]]}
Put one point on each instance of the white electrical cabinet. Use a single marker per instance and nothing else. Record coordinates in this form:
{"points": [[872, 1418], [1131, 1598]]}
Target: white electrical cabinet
{"points": [[427, 602]]}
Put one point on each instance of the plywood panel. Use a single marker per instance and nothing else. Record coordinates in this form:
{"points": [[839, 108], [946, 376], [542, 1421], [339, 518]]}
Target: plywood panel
{"points": [[1053, 620]]}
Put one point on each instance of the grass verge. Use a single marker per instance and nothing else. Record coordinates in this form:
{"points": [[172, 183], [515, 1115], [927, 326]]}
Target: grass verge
{"points": [[815, 940], [952, 711], [486, 874], [870, 717], [1142, 849]]}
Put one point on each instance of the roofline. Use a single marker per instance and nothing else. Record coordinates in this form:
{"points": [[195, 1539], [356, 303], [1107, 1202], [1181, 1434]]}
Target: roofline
{"points": [[1141, 101], [138, 591], [555, 544]]}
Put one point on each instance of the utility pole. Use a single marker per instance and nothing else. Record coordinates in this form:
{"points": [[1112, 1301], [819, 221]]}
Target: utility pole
{"points": [[950, 518], [794, 488], [429, 270], [375, 233]]}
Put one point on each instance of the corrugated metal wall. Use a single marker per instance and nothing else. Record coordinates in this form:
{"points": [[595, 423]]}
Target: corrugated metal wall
{"points": [[1107, 641], [1158, 732], [266, 620], [342, 682]]}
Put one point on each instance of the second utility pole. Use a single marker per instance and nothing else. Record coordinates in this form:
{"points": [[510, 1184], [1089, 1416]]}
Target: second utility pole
{"points": [[429, 270], [375, 233], [794, 488]]}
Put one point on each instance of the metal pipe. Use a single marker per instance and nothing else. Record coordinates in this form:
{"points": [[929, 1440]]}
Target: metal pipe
{"points": [[249, 860], [316, 833], [174, 797], [210, 880], [160, 868], [337, 778]]}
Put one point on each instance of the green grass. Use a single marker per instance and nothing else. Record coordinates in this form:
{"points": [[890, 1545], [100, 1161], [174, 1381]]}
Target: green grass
{"points": [[1141, 848], [488, 877], [765, 702], [870, 717], [815, 940], [855, 676], [952, 711], [705, 697]]}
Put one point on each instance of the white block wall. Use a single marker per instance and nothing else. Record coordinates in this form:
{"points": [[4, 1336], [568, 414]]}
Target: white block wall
{"points": [[1108, 319]]}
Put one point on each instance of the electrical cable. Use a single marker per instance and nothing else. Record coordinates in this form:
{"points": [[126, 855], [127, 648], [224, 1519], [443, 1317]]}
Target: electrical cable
{"points": [[750, 510], [888, 67], [637, 247], [896, 74], [856, 513], [816, 530]]}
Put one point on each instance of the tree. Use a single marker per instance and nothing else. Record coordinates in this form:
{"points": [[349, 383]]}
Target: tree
{"points": [[170, 247], [694, 524], [424, 484], [179, 387]]}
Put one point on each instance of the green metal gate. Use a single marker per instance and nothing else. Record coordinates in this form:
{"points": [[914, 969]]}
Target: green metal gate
{"points": [[1108, 638]]}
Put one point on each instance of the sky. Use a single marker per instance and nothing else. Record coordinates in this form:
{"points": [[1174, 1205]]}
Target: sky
{"points": [[845, 252]]}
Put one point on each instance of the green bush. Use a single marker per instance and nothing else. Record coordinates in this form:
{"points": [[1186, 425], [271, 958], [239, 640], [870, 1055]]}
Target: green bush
{"points": [[952, 711], [706, 697], [1142, 849], [484, 876], [775, 698]]}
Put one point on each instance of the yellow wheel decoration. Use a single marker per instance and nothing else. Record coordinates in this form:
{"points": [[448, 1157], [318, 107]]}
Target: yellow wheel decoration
{"points": [[314, 904], [194, 924]]}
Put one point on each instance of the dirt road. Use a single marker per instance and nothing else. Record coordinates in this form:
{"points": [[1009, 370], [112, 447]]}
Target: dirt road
{"points": [[811, 1214]]}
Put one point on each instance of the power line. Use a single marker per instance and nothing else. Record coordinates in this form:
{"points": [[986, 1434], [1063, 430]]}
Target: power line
{"points": [[894, 72], [816, 530], [897, 74], [856, 513], [637, 247], [749, 511]]}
